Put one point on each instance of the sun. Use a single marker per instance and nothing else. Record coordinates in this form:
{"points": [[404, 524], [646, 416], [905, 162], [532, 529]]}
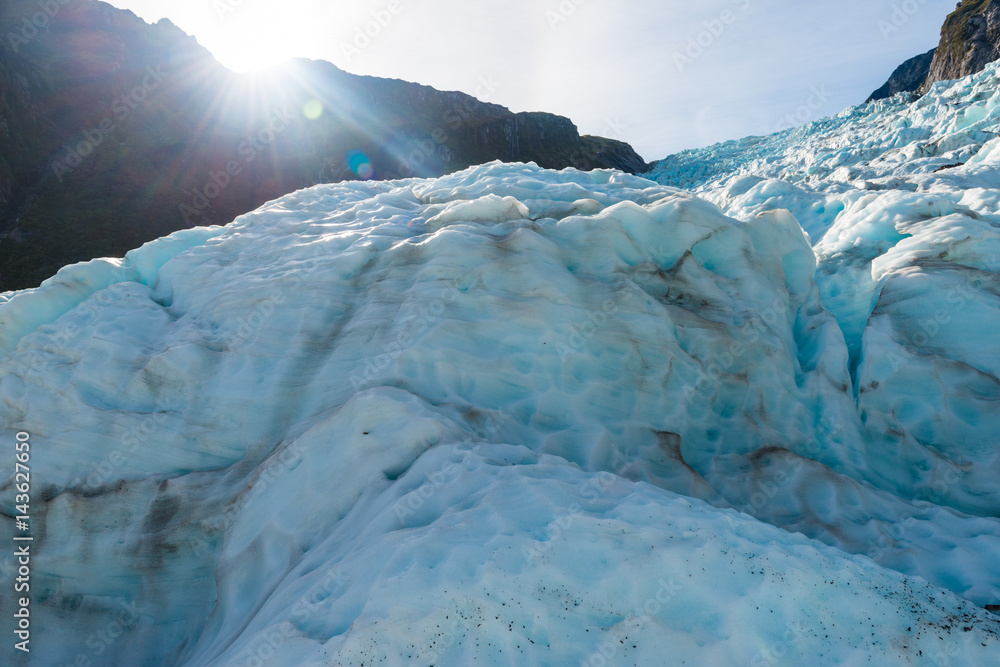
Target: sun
{"points": [[248, 40], [241, 53]]}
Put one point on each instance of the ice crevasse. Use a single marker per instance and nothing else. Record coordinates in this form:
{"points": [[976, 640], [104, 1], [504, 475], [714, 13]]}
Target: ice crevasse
{"points": [[510, 416]]}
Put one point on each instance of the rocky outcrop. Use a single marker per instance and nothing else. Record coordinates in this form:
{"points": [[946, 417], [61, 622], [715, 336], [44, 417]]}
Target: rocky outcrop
{"points": [[908, 77], [553, 142], [114, 132], [970, 40]]}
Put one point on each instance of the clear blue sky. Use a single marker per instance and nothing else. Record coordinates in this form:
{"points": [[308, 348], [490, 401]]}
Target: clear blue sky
{"points": [[620, 68]]}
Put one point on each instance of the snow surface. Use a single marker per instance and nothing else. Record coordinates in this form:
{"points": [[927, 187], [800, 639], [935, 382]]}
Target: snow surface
{"points": [[521, 417], [901, 201]]}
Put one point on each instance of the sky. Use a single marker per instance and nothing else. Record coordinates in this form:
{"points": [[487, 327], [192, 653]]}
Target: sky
{"points": [[663, 75]]}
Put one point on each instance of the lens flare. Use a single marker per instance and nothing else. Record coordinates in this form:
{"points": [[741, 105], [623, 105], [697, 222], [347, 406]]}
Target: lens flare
{"points": [[360, 165], [313, 109]]}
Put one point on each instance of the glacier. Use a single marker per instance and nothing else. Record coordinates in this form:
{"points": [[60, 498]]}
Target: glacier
{"points": [[900, 200], [525, 417]]}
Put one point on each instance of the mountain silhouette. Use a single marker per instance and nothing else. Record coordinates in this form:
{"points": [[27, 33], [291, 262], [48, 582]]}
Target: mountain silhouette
{"points": [[114, 132]]}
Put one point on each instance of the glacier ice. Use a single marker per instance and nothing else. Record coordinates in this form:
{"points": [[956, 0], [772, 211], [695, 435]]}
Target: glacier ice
{"points": [[519, 416], [901, 200]]}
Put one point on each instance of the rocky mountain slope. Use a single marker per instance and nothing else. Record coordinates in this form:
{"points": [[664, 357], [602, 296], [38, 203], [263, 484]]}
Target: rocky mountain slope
{"points": [[114, 132], [970, 40], [906, 78]]}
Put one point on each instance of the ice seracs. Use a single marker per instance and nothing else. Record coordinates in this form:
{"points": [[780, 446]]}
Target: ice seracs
{"points": [[519, 416], [901, 200]]}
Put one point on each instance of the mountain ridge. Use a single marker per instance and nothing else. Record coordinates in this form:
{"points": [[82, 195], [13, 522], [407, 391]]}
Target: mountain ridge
{"points": [[906, 78], [98, 155], [970, 40], [510, 415]]}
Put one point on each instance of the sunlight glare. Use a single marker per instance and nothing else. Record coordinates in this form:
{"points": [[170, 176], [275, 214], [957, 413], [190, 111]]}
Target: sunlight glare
{"points": [[251, 40], [241, 54]]}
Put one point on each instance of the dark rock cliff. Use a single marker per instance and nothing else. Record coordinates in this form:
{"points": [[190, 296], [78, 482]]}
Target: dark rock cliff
{"points": [[908, 77], [970, 40], [114, 132]]}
